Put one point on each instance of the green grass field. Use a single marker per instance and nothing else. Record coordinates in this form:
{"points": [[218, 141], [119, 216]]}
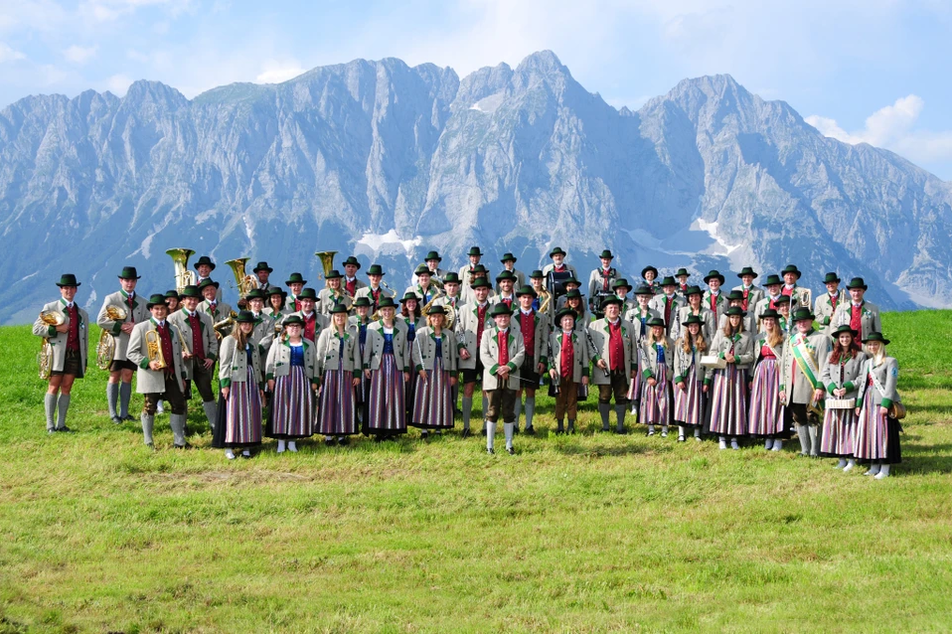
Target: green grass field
{"points": [[593, 532]]}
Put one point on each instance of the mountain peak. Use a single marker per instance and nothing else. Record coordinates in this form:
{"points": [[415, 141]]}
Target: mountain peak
{"points": [[543, 62]]}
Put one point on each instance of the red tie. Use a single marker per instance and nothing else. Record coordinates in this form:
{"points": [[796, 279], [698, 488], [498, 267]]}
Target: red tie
{"points": [[746, 293], [481, 316], [833, 300], [713, 302], [605, 279], [667, 310], [503, 347]]}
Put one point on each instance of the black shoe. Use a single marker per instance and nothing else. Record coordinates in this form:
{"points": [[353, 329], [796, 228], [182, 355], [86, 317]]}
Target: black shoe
{"points": [[344, 441], [150, 445], [483, 433], [491, 452], [559, 431], [377, 438], [329, 442], [515, 430], [185, 446], [510, 451], [116, 420], [64, 429], [621, 431], [129, 418], [530, 431], [606, 429], [465, 433]]}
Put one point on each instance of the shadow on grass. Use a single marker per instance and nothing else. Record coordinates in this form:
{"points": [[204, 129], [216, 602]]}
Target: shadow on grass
{"points": [[573, 449], [918, 458]]}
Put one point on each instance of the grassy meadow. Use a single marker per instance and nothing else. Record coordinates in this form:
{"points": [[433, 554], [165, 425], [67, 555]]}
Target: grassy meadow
{"points": [[593, 532]]}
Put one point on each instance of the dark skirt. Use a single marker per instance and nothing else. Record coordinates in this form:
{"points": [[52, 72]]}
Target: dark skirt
{"points": [[292, 407]]}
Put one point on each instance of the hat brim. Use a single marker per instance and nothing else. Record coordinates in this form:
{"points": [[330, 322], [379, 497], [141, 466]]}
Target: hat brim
{"points": [[269, 270], [76, 285]]}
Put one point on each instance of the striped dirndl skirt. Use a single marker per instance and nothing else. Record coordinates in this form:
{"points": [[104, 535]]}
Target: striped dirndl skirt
{"points": [[634, 388], [689, 402], [292, 406], [433, 400], [655, 406], [387, 412], [876, 437], [766, 411], [836, 439], [243, 418], [728, 406], [336, 417]]}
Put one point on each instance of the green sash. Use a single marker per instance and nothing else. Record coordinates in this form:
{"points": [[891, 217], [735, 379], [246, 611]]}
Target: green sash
{"points": [[806, 360]]}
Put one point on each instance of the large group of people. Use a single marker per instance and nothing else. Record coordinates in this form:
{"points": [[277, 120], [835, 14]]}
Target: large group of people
{"points": [[355, 357]]}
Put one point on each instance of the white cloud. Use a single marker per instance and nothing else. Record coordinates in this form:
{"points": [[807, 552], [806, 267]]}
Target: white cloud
{"points": [[893, 127], [118, 84], [80, 54], [8, 54], [277, 72], [109, 10]]}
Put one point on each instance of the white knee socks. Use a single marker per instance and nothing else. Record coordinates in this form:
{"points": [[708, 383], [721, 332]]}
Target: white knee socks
{"points": [[490, 434]]}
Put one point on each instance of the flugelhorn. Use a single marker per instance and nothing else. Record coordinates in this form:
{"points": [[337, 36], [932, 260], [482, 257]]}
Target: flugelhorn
{"points": [[183, 277], [327, 262], [246, 283], [153, 348]]}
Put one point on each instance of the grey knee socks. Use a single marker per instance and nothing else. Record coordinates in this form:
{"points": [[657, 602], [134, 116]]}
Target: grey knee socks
{"points": [[604, 409], [814, 431], [125, 393], [620, 415], [510, 430], [177, 422], [62, 405], [49, 405], [112, 397], [467, 411], [530, 411], [804, 437], [147, 423], [211, 412]]}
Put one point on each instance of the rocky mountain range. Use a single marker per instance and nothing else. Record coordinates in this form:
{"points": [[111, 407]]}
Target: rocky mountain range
{"points": [[388, 161]]}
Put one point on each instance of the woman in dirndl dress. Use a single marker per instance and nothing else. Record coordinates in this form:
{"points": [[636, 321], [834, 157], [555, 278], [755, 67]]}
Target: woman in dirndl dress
{"points": [[639, 316], [386, 364], [689, 388], [767, 418], [339, 363], [655, 359], [434, 360], [729, 385], [877, 433], [840, 376], [358, 323], [411, 315], [291, 371], [242, 390]]}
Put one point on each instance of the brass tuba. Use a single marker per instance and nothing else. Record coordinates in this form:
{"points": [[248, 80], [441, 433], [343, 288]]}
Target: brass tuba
{"points": [[246, 283], [183, 277], [153, 348], [327, 261], [106, 348], [44, 358]]}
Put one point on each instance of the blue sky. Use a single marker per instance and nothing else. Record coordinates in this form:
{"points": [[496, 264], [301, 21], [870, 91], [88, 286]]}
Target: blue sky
{"points": [[869, 71]]}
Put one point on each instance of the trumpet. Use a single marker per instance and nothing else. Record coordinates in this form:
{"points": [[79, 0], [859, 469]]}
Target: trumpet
{"points": [[44, 358], [106, 348], [246, 283], [153, 348], [183, 277]]}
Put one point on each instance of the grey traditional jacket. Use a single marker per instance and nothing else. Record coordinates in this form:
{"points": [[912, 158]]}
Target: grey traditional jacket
{"points": [[373, 348], [886, 372], [278, 363], [180, 320], [329, 357], [580, 349], [600, 334], [742, 345], [58, 339], [423, 350], [817, 350], [843, 374], [869, 317], [467, 325], [137, 315], [233, 364], [150, 381], [489, 354]]}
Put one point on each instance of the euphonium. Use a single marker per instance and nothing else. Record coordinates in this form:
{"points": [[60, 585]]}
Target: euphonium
{"points": [[106, 348], [246, 283], [183, 277], [327, 262], [223, 327], [153, 348], [44, 358]]}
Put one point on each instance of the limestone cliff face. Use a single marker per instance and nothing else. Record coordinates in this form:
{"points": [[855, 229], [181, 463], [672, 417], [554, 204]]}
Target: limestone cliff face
{"points": [[388, 161]]}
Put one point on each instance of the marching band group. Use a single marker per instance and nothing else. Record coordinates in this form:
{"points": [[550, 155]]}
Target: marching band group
{"points": [[751, 362]]}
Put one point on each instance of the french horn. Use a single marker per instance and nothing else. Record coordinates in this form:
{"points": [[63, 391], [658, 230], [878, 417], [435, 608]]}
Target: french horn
{"points": [[44, 358]]}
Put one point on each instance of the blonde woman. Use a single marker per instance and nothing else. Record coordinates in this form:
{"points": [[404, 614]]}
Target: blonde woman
{"points": [[242, 390], [840, 375], [877, 433], [767, 414], [689, 378], [654, 353], [729, 385], [387, 366]]}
